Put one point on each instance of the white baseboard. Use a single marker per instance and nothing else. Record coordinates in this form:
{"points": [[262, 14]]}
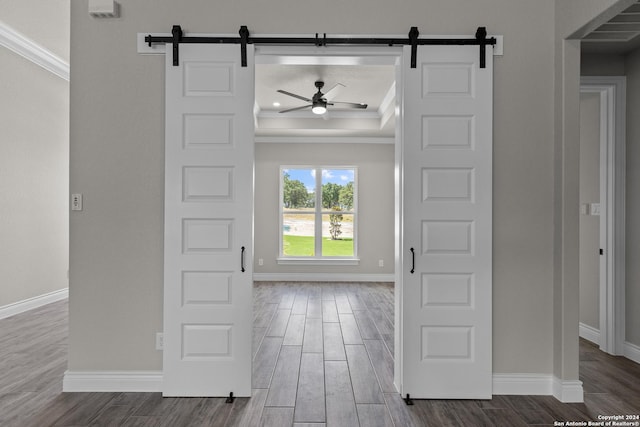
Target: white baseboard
{"points": [[538, 385], [323, 277], [632, 351], [112, 381], [31, 303], [590, 333], [523, 384], [151, 381], [568, 391]]}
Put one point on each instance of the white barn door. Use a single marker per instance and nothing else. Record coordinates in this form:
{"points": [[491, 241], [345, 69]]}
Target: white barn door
{"points": [[447, 241], [208, 222]]}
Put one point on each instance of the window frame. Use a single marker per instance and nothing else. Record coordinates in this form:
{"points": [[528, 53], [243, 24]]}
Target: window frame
{"points": [[318, 212]]}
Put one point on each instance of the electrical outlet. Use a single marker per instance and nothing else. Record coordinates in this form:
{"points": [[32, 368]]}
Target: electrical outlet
{"points": [[159, 341], [260, 261], [380, 263]]}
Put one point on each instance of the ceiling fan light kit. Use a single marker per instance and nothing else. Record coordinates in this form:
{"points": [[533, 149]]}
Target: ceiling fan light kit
{"points": [[319, 108], [320, 101]]}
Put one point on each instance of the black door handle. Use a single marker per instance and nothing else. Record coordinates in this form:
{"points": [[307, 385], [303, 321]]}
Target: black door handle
{"points": [[242, 259], [413, 260]]}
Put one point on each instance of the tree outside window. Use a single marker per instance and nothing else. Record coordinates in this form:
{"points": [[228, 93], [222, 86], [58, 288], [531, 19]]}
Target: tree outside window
{"points": [[318, 212]]}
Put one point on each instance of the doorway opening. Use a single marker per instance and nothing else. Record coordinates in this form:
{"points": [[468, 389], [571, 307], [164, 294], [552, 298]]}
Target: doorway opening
{"points": [[325, 317], [602, 224]]}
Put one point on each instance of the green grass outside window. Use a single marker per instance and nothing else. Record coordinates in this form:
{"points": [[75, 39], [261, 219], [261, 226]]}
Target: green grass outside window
{"points": [[304, 246]]}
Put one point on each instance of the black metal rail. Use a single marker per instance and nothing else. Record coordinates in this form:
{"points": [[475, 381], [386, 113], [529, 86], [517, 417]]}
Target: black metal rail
{"points": [[244, 39]]}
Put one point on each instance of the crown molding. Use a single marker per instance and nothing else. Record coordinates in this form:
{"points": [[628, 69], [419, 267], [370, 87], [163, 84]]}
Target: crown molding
{"points": [[32, 51]]}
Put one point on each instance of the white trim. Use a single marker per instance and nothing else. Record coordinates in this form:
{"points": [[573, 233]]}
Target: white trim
{"points": [[322, 277], [324, 140], [632, 351], [32, 51], [31, 303], [398, 178], [568, 391], [523, 384], [612, 92], [589, 333], [317, 261], [538, 385], [112, 381]]}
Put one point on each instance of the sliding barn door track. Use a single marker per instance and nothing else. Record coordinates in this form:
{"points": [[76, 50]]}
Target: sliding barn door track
{"points": [[245, 38]]}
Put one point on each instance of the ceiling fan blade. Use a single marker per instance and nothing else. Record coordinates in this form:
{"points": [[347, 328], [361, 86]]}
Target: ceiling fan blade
{"points": [[294, 95], [295, 109], [351, 104], [333, 92]]}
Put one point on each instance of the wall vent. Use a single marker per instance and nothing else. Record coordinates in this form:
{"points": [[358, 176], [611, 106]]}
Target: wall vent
{"points": [[103, 9]]}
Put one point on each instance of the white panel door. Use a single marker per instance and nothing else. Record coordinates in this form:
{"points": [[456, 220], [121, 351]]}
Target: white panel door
{"points": [[208, 222], [447, 152]]}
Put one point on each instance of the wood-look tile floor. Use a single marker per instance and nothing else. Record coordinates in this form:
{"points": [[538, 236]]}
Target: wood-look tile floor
{"points": [[322, 357]]}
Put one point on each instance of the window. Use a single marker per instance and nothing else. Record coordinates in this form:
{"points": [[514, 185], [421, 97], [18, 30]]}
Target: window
{"points": [[318, 214]]}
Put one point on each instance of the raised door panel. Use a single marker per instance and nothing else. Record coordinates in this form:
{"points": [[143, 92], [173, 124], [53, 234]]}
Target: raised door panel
{"points": [[447, 184], [208, 222]]}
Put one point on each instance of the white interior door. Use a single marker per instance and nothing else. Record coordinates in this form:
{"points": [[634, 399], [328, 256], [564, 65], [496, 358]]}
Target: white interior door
{"points": [[447, 158], [208, 222]]}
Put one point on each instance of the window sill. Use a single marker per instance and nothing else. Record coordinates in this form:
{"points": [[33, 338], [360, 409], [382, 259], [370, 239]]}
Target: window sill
{"points": [[318, 261]]}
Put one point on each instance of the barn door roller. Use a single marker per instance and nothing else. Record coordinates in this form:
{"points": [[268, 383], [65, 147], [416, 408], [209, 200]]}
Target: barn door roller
{"points": [[413, 40]]}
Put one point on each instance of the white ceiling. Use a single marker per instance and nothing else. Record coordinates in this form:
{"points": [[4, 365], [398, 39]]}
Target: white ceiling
{"points": [[369, 84]]}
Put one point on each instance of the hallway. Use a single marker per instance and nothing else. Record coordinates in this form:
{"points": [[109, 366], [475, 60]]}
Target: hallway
{"points": [[322, 357]]}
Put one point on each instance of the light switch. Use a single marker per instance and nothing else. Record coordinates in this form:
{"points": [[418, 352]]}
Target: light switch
{"points": [[584, 209], [595, 209], [76, 202]]}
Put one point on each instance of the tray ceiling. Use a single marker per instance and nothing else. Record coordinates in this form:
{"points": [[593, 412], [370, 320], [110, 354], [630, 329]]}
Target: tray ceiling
{"points": [[370, 84], [621, 34]]}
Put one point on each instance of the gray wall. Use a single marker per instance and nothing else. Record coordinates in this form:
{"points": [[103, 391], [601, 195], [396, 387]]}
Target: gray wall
{"points": [[375, 164], [34, 155], [34, 161], [589, 224], [632, 67], [601, 64], [47, 23], [117, 162]]}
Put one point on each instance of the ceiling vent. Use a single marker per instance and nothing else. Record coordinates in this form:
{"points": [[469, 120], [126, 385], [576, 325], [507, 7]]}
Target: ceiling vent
{"points": [[103, 8]]}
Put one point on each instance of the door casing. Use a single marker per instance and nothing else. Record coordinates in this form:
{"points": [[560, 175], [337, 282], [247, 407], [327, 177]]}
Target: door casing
{"points": [[611, 91]]}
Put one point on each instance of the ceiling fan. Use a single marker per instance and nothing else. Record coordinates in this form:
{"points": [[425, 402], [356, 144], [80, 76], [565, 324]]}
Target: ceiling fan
{"points": [[319, 101]]}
